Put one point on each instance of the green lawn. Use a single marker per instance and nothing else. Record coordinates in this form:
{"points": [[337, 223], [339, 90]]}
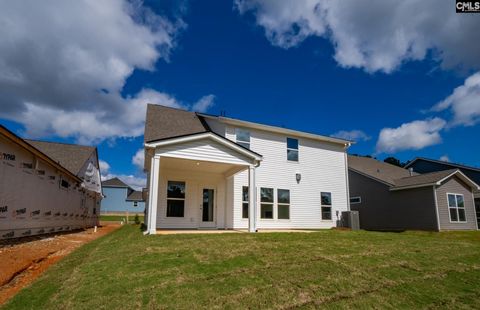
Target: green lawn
{"points": [[332, 269], [118, 218]]}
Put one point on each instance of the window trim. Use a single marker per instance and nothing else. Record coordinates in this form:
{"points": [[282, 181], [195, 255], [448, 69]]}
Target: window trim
{"points": [[326, 206], [179, 199], [456, 208], [247, 202], [291, 149], [284, 204], [242, 142], [267, 203], [356, 203]]}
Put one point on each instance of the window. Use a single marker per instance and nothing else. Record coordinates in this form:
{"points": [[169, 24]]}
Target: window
{"points": [[326, 206], [65, 184], [27, 166], [243, 137], [456, 206], [135, 204], [175, 199], [355, 200], [245, 202], [266, 203], [283, 204], [292, 149]]}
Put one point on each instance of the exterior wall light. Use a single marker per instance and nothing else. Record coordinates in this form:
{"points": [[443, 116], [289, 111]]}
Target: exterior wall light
{"points": [[298, 176]]}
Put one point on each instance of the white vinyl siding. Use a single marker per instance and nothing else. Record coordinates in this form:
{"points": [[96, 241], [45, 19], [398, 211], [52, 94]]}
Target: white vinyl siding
{"points": [[322, 169], [204, 149]]}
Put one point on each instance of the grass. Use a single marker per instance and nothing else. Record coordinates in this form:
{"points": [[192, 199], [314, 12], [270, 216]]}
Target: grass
{"points": [[328, 269], [118, 218]]}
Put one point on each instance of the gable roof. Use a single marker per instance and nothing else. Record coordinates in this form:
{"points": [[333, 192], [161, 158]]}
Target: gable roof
{"points": [[206, 135], [427, 178], [165, 122], [114, 182], [446, 163], [379, 170], [70, 156], [432, 178], [135, 196], [398, 178], [36, 151]]}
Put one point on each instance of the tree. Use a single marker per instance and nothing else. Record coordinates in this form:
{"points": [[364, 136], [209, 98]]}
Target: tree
{"points": [[394, 161]]}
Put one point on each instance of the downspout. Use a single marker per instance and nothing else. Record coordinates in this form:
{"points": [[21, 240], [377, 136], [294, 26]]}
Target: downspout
{"points": [[475, 210], [436, 207], [347, 184]]}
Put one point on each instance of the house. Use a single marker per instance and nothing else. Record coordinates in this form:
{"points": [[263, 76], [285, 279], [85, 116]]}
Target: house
{"points": [[425, 165], [121, 198], [207, 171], [46, 187], [393, 198]]}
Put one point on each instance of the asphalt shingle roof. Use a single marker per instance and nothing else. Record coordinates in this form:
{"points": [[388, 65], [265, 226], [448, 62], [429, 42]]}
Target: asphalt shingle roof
{"points": [[115, 182], [165, 122], [380, 170], [426, 178], [135, 196], [71, 156]]}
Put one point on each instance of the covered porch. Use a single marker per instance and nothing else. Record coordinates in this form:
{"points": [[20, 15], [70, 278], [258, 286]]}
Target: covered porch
{"points": [[190, 182]]}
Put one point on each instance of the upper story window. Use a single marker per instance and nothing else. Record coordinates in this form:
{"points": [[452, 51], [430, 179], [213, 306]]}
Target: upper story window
{"points": [[456, 206], [243, 137], [292, 149]]}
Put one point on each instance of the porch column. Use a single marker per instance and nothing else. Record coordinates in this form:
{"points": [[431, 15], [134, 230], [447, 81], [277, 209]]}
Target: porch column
{"points": [[252, 200], [153, 195]]}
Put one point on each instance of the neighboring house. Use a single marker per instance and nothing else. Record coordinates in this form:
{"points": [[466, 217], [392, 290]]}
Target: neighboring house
{"points": [[121, 198], [46, 187], [214, 172], [393, 198], [424, 165]]}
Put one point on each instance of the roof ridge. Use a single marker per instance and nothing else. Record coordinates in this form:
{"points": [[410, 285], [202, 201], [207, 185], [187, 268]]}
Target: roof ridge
{"points": [[63, 143], [444, 163]]}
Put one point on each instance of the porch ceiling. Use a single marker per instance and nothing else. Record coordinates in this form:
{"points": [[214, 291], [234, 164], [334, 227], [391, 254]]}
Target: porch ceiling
{"points": [[196, 165]]}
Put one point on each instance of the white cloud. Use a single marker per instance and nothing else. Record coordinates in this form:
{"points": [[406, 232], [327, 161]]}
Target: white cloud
{"points": [[205, 103], [464, 102], [63, 66], [104, 167], [134, 182], [375, 35], [352, 135], [410, 136], [445, 158], [139, 158]]}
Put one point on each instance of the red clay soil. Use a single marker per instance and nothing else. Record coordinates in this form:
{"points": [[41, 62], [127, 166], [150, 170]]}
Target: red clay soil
{"points": [[25, 260]]}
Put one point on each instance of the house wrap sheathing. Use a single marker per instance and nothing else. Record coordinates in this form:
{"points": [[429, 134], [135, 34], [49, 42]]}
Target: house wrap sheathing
{"points": [[46, 187]]}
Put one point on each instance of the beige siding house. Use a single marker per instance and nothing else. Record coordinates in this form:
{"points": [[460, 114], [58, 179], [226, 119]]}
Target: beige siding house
{"points": [[214, 172], [46, 187], [392, 198]]}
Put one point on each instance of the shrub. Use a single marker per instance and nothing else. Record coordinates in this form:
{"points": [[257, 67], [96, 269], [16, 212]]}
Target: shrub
{"points": [[137, 219]]}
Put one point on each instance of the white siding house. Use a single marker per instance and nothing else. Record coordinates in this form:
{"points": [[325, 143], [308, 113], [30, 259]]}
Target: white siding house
{"points": [[213, 172]]}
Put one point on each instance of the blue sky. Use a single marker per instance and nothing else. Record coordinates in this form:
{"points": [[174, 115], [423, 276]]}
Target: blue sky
{"points": [[290, 72]]}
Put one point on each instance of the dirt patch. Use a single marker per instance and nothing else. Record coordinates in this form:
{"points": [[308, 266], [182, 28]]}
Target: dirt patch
{"points": [[24, 260]]}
